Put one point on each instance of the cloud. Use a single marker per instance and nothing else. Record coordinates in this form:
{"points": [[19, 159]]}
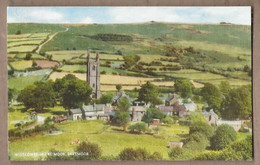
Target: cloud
{"points": [[32, 14], [142, 14], [88, 20]]}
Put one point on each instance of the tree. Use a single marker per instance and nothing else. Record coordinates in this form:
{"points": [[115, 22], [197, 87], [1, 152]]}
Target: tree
{"points": [[224, 88], [106, 98], [152, 113], [138, 127], [197, 141], [34, 64], [237, 104], [201, 127], [18, 32], [175, 153], [28, 56], [223, 136], [92, 149], [75, 92], [38, 96], [118, 87], [212, 96], [122, 115], [184, 87], [239, 150], [149, 93]]}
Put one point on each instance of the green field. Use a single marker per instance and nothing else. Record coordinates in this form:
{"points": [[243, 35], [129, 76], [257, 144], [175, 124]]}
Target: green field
{"points": [[97, 132], [20, 82], [22, 64]]}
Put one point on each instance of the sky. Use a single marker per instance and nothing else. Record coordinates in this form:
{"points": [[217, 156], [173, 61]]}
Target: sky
{"points": [[236, 15]]}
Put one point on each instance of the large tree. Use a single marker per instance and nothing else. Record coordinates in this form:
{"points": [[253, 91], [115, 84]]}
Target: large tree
{"points": [[184, 87], [38, 96], [75, 92], [223, 136], [212, 96], [122, 115], [149, 93], [238, 103]]}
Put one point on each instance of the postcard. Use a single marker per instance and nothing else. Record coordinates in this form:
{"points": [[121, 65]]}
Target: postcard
{"points": [[129, 83]]}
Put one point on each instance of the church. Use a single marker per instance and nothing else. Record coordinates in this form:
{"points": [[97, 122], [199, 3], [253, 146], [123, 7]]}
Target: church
{"points": [[93, 75]]}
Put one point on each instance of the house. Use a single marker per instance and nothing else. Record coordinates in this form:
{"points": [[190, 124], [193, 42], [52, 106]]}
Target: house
{"points": [[137, 112], [179, 110], [236, 124], [155, 124], [190, 106], [211, 117], [93, 111], [119, 96], [171, 100], [75, 114]]}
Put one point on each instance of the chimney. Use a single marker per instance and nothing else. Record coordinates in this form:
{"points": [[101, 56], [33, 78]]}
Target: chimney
{"points": [[133, 114]]}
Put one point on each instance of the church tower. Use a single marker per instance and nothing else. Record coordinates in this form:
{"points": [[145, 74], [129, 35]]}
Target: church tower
{"points": [[93, 75]]}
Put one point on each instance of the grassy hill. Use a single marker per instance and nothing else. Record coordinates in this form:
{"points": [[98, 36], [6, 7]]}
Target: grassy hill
{"points": [[218, 51]]}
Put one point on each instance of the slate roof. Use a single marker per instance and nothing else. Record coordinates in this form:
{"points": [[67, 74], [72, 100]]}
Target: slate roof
{"points": [[175, 108], [93, 108], [121, 95], [138, 108], [76, 111], [210, 113]]}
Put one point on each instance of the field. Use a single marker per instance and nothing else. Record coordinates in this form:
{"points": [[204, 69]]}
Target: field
{"points": [[21, 65], [20, 82], [98, 132], [46, 63]]}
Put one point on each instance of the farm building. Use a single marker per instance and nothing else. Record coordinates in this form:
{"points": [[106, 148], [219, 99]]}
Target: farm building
{"points": [[211, 117], [174, 144]]}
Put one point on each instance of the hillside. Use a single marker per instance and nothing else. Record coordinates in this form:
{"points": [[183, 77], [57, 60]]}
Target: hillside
{"points": [[201, 52]]}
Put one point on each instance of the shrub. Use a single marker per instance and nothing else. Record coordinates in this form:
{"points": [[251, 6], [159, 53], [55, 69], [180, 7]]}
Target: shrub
{"points": [[138, 154], [18, 32], [138, 127], [168, 120], [202, 127], [175, 153], [93, 150], [223, 136], [196, 141], [240, 150], [28, 56], [208, 155]]}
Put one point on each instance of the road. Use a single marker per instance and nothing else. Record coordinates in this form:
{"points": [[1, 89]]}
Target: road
{"points": [[50, 38]]}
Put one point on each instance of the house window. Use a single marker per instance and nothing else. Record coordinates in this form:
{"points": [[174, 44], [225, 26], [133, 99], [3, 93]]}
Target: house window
{"points": [[93, 68], [93, 85]]}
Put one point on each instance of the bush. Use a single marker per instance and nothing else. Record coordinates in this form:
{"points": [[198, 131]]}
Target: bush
{"points": [[240, 150], [138, 154], [175, 153], [93, 150], [138, 127], [196, 141], [208, 155], [202, 127], [18, 32], [168, 120], [28, 56], [223, 136]]}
